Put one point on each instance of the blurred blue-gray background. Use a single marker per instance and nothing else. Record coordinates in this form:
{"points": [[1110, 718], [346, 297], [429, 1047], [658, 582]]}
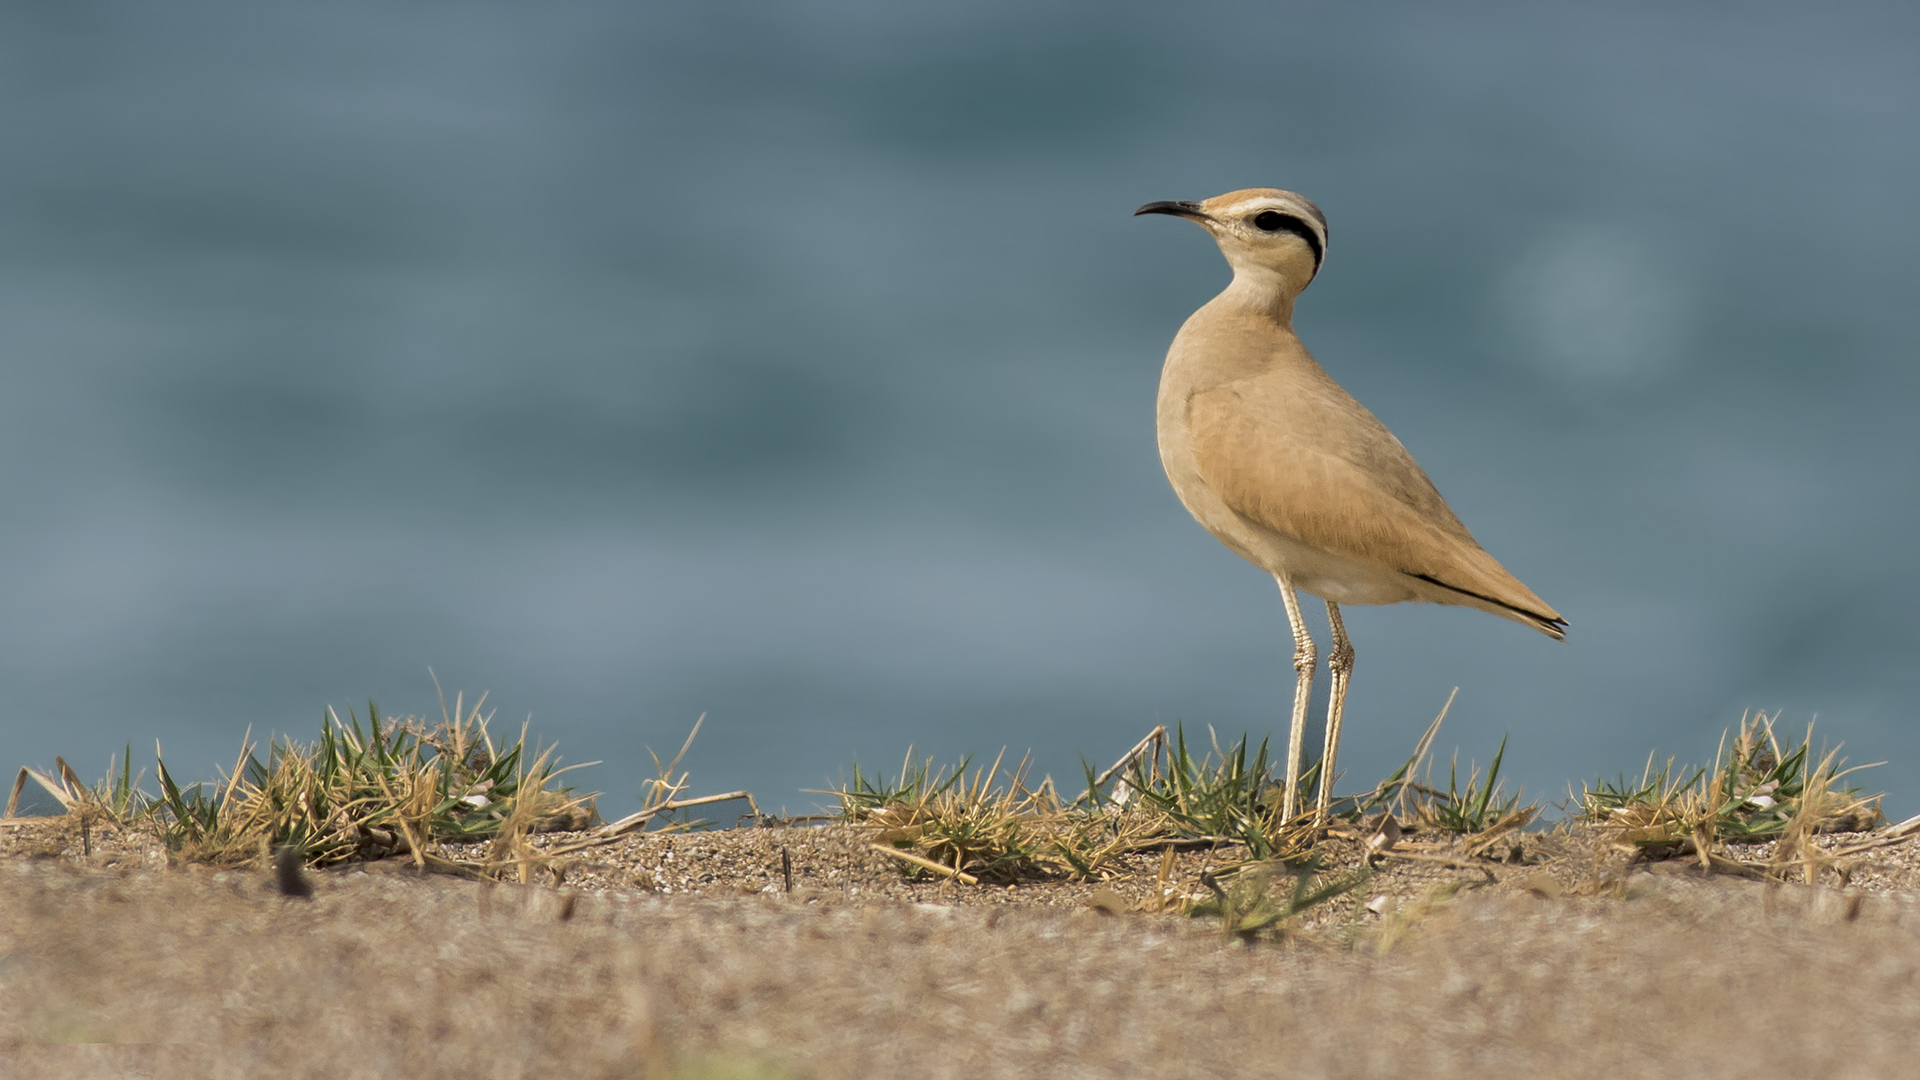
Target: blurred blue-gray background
{"points": [[794, 364]]}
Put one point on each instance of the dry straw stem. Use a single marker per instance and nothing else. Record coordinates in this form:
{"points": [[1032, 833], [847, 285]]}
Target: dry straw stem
{"points": [[67, 789], [925, 864], [1149, 749], [1885, 837], [662, 801]]}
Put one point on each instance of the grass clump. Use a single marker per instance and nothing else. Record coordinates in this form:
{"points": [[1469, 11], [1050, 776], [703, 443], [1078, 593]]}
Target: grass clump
{"points": [[373, 790], [361, 791], [1755, 792], [991, 823], [972, 824], [1221, 797], [980, 824], [985, 824], [1161, 796]]}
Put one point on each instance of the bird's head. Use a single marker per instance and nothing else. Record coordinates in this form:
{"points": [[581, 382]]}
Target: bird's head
{"points": [[1271, 237]]}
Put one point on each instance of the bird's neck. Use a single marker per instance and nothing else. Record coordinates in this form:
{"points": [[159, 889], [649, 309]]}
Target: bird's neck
{"points": [[1229, 339], [1259, 290]]}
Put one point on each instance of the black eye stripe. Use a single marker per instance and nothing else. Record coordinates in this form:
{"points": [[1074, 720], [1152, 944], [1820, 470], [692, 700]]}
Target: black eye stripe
{"points": [[1273, 221]]}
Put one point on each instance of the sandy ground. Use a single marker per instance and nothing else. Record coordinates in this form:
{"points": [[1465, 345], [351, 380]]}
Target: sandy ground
{"points": [[688, 956]]}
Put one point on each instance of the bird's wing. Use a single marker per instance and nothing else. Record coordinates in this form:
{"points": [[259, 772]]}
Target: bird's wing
{"points": [[1301, 457]]}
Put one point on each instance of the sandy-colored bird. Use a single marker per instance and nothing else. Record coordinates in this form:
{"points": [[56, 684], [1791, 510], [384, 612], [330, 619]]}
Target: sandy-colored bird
{"points": [[1295, 476]]}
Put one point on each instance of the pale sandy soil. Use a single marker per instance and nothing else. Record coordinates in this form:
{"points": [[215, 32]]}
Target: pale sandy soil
{"points": [[686, 956]]}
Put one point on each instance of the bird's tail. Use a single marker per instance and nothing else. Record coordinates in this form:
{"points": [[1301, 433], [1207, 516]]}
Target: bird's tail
{"points": [[1547, 622]]}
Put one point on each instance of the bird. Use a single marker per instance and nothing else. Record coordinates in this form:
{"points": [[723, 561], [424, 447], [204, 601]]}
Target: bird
{"points": [[1293, 474]]}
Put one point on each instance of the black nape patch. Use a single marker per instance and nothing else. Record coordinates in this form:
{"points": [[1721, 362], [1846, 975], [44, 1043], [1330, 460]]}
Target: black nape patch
{"points": [[1274, 221], [1289, 223]]}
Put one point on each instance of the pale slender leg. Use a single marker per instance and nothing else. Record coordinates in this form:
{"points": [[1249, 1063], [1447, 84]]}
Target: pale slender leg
{"points": [[1303, 659], [1340, 672]]}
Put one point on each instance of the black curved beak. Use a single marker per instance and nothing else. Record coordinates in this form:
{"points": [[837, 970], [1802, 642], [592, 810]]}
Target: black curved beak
{"points": [[1176, 208]]}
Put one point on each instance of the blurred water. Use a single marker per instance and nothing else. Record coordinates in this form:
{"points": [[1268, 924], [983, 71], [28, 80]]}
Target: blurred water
{"points": [[794, 364]]}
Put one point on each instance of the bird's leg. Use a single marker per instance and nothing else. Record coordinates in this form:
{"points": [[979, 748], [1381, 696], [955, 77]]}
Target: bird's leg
{"points": [[1339, 671], [1303, 659]]}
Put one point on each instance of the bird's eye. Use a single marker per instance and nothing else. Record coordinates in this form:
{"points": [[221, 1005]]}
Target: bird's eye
{"points": [[1269, 220]]}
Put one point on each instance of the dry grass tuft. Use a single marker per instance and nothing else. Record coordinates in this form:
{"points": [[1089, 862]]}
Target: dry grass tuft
{"points": [[993, 825], [360, 792], [985, 824], [363, 792], [1756, 791], [368, 791], [973, 824], [1221, 797]]}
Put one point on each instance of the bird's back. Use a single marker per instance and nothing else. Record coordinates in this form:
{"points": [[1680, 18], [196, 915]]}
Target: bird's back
{"points": [[1291, 472]]}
